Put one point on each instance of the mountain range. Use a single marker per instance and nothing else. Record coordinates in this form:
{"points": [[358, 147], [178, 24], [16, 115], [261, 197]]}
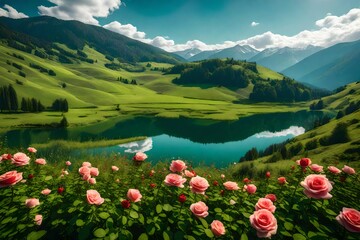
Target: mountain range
{"points": [[76, 35]]}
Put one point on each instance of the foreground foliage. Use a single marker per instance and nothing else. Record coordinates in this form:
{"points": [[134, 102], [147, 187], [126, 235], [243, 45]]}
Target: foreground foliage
{"points": [[130, 199]]}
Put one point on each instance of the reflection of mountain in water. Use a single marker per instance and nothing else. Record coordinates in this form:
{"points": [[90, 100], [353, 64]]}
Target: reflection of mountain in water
{"points": [[202, 131]]}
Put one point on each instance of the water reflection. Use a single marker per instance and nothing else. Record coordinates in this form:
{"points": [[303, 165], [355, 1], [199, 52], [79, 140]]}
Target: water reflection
{"points": [[293, 130], [138, 146]]}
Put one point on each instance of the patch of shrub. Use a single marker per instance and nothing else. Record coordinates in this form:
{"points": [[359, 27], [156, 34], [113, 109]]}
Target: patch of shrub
{"points": [[312, 144]]}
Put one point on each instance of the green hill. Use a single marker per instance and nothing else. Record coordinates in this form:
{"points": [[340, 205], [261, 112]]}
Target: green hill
{"points": [[43, 31]]}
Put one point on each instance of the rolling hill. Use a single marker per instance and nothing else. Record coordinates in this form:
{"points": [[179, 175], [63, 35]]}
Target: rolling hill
{"points": [[329, 68], [45, 30]]}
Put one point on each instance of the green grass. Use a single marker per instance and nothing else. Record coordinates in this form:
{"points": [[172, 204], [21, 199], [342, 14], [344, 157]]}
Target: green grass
{"points": [[266, 73]]}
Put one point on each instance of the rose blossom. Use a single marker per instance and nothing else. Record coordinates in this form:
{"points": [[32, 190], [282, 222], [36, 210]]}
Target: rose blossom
{"points": [[348, 170], [174, 180], [231, 185], [316, 168], [198, 185], [86, 177], [114, 168], [217, 228], [182, 198], [93, 197], [350, 219], [32, 202], [246, 180], [92, 181], [222, 176], [6, 156], [267, 174], [199, 209], [134, 195], [177, 166], [271, 196], [250, 188], [140, 157], [84, 170], [20, 159], [264, 223], [334, 170], [264, 203], [317, 186], [190, 174], [282, 180], [10, 178], [38, 219], [94, 172], [86, 164], [40, 161], [46, 191], [32, 150], [304, 162], [125, 203], [68, 163]]}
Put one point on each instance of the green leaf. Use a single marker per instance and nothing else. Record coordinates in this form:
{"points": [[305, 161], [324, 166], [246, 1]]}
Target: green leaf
{"points": [[331, 212], [247, 215], [204, 222], [99, 233], [48, 178], [289, 226], [298, 236], [218, 210], [166, 236], [158, 208], [167, 207], [80, 223], [179, 236], [104, 215], [189, 237], [182, 226], [209, 233], [35, 235], [244, 237], [110, 223], [296, 207], [123, 220], [143, 236], [134, 214], [286, 233], [77, 202]]}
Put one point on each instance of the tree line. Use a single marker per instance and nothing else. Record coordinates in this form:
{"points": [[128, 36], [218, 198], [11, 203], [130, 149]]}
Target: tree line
{"points": [[9, 102]]}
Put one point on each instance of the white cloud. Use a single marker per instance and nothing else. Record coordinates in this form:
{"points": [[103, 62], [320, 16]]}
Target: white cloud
{"points": [[254, 24], [82, 10], [126, 29], [11, 12], [293, 130]]}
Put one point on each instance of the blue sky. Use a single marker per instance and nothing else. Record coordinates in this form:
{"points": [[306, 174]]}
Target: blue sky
{"points": [[208, 24]]}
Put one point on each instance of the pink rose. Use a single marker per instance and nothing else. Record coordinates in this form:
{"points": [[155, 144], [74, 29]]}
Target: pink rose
{"points": [[334, 170], [350, 219], [304, 162], [86, 164], [271, 196], [20, 159], [177, 166], [46, 191], [199, 209], [32, 202], [10, 178], [68, 163], [190, 174], [264, 203], [250, 188], [348, 170], [114, 168], [140, 157], [40, 161], [317, 186], [93, 197], [134, 195], [85, 177], [217, 228], [282, 180], [198, 185], [92, 181], [31, 149], [6, 156], [316, 168], [84, 170], [38, 219], [174, 180], [231, 185], [94, 172], [264, 223]]}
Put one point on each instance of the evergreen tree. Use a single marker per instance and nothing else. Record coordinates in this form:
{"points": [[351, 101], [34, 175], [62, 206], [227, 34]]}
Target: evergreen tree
{"points": [[13, 99], [24, 105], [34, 105], [64, 122]]}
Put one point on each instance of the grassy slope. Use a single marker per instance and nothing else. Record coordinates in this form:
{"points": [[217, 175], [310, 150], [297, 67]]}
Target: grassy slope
{"points": [[91, 86], [323, 155]]}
